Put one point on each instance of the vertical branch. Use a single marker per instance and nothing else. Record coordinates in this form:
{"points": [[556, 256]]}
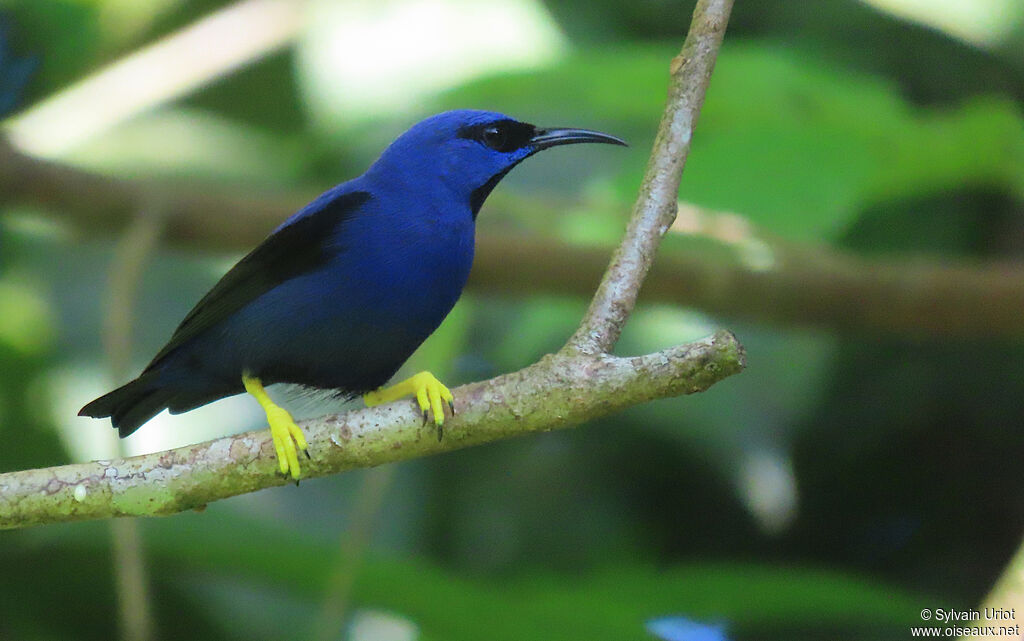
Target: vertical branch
{"points": [[126, 269], [655, 208], [352, 548], [135, 617]]}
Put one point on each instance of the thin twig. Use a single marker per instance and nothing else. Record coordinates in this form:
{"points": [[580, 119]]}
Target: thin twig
{"points": [[655, 208]]}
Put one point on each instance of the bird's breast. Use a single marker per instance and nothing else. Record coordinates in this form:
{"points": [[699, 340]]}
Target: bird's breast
{"points": [[410, 271]]}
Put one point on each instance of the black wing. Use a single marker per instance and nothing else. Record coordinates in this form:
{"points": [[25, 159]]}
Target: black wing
{"points": [[291, 251]]}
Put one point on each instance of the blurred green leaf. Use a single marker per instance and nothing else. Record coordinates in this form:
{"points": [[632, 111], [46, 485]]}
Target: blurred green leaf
{"points": [[282, 571], [796, 145], [64, 34]]}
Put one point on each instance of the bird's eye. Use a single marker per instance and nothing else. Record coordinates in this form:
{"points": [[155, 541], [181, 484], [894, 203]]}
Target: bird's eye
{"points": [[495, 137], [504, 136]]}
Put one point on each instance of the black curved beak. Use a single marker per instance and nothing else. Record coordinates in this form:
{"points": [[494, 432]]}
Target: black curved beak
{"points": [[544, 138]]}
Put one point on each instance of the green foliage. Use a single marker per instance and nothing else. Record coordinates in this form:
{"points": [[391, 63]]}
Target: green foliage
{"points": [[798, 146], [64, 34], [27, 337], [204, 563]]}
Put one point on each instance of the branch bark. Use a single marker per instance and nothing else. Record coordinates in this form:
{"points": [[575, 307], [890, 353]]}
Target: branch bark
{"points": [[655, 209], [559, 391], [580, 382]]}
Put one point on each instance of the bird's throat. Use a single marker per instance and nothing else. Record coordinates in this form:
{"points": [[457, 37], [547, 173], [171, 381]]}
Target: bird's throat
{"points": [[480, 194]]}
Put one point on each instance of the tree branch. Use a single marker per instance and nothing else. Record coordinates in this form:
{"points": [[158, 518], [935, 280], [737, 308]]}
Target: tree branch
{"points": [[655, 209], [559, 391], [102, 204], [137, 245], [805, 286]]}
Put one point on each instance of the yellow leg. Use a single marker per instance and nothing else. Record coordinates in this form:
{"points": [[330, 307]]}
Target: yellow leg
{"points": [[430, 393], [285, 432]]}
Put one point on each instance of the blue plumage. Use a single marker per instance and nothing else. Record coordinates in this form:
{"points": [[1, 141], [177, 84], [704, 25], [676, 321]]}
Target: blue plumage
{"points": [[344, 291]]}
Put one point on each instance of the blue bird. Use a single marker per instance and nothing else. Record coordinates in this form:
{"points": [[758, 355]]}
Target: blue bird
{"points": [[344, 291]]}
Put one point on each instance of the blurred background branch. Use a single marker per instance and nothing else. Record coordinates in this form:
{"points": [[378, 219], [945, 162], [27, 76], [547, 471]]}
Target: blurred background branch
{"points": [[179, 64], [746, 274], [139, 241], [352, 548]]}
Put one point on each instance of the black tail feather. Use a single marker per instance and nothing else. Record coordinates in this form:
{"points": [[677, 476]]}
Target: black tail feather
{"points": [[131, 405]]}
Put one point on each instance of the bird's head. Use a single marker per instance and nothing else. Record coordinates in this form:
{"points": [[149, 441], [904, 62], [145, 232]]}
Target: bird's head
{"points": [[469, 151]]}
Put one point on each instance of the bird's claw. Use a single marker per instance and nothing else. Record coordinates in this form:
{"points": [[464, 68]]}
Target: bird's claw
{"points": [[431, 396], [288, 439], [287, 436]]}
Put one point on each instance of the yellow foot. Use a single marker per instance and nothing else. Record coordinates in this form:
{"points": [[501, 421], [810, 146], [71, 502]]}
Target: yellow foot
{"points": [[429, 393], [286, 434]]}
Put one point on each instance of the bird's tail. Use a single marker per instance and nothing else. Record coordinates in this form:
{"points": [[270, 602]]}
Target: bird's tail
{"points": [[131, 405]]}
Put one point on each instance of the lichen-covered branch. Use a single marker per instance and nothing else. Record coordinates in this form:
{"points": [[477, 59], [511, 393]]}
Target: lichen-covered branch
{"points": [[559, 391], [655, 207]]}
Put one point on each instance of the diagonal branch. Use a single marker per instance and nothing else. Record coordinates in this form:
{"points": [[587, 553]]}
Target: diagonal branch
{"points": [[655, 208], [557, 392], [563, 389]]}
